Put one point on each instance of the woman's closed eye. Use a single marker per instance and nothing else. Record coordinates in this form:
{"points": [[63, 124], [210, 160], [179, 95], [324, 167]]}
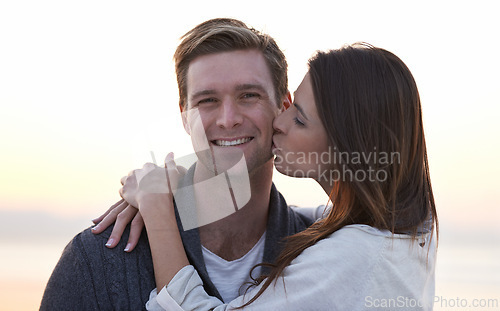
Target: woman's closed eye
{"points": [[298, 121]]}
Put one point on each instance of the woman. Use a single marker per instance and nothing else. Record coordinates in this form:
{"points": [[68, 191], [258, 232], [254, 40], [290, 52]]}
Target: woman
{"points": [[356, 128]]}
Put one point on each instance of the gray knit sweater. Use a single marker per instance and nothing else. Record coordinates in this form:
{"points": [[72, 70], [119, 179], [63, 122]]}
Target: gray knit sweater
{"points": [[90, 276]]}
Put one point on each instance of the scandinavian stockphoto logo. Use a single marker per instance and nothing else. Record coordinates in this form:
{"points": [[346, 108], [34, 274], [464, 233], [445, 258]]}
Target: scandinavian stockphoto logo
{"points": [[333, 165], [224, 190], [444, 303]]}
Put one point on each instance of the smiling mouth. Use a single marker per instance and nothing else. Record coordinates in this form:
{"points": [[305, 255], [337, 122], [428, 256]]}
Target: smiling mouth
{"points": [[230, 143]]}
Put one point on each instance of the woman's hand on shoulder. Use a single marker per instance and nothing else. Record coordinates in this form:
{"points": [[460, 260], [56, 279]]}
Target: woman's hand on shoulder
{"points": [[152, 185], [120, 214]]}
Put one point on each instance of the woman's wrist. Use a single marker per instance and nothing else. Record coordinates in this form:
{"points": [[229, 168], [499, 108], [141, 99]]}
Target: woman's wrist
{"points": [[157, 210]]}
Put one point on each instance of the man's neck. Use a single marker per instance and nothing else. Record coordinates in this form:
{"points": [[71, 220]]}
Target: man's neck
{"points": [[233, 236]]}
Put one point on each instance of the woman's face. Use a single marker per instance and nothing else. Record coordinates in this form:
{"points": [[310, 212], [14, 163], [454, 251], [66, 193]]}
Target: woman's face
{"points": [[300, 141]]}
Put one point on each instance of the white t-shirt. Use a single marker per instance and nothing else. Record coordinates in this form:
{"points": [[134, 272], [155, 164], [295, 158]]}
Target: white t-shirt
{"points": [[229, 277]]}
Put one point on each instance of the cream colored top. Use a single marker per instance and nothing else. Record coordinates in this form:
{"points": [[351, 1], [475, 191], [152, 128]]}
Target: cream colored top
{"points": [[356, 268]]}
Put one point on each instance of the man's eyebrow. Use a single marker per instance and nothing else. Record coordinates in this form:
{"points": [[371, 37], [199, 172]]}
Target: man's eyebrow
{"points": [[203, 92], [300, 110], [249, 86], [240, 87]]}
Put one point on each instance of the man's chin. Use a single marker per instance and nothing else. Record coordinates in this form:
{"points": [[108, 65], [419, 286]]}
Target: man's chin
{"points": [[224, 158]]}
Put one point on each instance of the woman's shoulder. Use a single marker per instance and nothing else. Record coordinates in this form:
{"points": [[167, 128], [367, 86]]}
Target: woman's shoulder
{"points": [[357, 245], [342, 261], [362, 257], [354, 237], [349, 247]]}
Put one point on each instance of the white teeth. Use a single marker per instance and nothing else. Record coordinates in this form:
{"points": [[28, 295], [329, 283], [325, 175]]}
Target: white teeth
{"points": [[225, 143]]}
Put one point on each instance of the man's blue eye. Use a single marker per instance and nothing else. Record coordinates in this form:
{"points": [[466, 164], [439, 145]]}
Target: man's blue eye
{"points": [[207, 100]]}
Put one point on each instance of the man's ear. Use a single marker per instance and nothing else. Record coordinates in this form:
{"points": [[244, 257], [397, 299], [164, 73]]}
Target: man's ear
{"points": [[184, 120], [287, 102]]}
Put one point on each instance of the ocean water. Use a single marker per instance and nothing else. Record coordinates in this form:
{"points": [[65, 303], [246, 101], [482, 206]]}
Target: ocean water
{"points": [[24, 271], [467, 273]]}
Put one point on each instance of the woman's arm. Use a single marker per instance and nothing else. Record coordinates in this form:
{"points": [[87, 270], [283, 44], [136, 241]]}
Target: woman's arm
{"points": [[349, 270], [306, 285], [164, 238], [151, 190]]}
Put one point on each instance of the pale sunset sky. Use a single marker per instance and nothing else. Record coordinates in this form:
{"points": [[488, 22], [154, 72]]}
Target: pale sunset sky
{"points": [[87, 91]]}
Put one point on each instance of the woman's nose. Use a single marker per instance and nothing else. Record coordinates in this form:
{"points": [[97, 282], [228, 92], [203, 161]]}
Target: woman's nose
{"points": [[279, 123]]}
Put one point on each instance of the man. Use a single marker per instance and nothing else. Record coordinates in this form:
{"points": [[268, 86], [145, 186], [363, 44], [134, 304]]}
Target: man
{"points": [[234, 79]]}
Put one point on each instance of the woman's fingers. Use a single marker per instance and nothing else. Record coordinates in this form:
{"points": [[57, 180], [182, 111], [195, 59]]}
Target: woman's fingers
{"points": [[136, 227], [129, 190], [170, 169], [122, 220], [110, 218], [100, 218], [174, 172]]}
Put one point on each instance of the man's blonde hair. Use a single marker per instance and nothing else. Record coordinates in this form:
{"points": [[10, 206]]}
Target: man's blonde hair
{"points": [[225, 35]]}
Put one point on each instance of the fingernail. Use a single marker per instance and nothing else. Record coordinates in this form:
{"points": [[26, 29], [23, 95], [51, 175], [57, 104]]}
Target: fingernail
{"points": [[94, 228], [127, 248], [109, 243]]}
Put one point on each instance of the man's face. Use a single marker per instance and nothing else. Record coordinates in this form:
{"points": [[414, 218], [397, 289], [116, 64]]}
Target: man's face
{"points": [[231, 100]]}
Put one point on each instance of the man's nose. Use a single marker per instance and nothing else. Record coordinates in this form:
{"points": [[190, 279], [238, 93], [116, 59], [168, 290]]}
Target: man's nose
{"points": [[229, 115]]}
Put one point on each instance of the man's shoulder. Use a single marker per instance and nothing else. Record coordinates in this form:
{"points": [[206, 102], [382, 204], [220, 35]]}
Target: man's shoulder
{"points": [[88, 239], [91, 248], [311, 213], [83, 241], [97, 277], [302, 220]]}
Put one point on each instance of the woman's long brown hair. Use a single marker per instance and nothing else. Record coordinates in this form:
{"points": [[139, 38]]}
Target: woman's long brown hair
{"points": [[368, 103]]}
